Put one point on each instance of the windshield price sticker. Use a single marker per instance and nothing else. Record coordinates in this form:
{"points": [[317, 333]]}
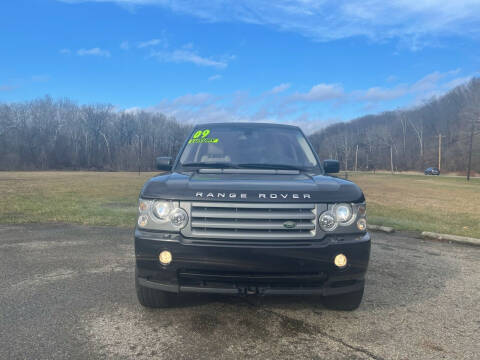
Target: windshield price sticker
{"points": [[200, 137]]}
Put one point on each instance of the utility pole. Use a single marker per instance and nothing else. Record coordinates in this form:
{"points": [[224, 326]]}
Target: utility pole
{"points": [[440, 151], [470, 149], [356, 159], [391, 158], [139, 153]]}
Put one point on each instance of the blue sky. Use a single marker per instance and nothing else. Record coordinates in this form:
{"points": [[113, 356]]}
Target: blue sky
{"points": [[301, 61]]}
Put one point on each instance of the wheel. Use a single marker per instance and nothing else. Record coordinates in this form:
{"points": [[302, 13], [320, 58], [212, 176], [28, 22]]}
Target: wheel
{"points": [[349, 301], [153, 298]]}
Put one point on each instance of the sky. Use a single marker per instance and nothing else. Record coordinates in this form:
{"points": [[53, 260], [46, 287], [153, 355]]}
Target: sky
{"points": [[305, 62]]}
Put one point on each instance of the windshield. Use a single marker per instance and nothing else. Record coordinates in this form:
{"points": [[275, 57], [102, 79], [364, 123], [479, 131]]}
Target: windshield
{"points": [[248, 147]]}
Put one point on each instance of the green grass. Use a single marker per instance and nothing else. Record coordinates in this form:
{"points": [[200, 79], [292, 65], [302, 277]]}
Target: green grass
{"points": [[406, 202], [446, 205], [90, 198]]}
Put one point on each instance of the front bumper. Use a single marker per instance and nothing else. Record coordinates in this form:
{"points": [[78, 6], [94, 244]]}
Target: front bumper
{"points": [[263, 268]]}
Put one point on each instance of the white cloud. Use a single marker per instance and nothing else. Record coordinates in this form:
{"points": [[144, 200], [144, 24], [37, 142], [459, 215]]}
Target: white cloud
{"points": [[193, 99], [310, 110], [320, 92], [133, 110], [377, 93], [196, 108], [280, 88], [190, 56], [239, 106], [125, 45], [458, 81], [88, 52], [93, 52], [433, 84], [428, 82], [190, 109], [413, 22], [153, 42], [310, 124], [215, 77]]}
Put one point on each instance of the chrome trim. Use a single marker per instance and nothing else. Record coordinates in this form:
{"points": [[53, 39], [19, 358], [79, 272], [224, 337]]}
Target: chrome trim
{"points": [[257, 221], [226, 224]]}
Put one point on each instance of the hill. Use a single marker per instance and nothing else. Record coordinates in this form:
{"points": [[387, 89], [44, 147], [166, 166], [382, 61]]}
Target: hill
{"points": [[408, 139]]}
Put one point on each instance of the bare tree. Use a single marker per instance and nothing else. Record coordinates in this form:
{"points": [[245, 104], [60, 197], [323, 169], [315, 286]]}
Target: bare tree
{"points": [[413, 131], [49, 134]]}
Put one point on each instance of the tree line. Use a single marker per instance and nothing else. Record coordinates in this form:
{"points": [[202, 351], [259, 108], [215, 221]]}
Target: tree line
{"points": [[441, 129], [49, 134], [46, 134]]}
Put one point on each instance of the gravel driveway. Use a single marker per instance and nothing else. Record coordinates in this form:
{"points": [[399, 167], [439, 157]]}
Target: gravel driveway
{"points": [[67, 292]]}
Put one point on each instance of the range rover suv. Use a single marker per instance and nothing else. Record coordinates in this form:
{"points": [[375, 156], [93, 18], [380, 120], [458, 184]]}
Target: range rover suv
{"points": [[248, 209]]}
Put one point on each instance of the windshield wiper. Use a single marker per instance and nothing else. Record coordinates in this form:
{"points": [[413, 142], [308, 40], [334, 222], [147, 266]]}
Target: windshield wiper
{"points": [[271, 166], [214, 165]]}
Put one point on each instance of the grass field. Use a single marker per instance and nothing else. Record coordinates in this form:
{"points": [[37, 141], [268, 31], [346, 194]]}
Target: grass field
{"points": [[407, 202], [91, 198], [447, 205]]}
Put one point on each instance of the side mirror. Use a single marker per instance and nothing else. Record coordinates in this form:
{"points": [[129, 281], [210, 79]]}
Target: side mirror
{"points": [[331, 166], [164, 163]]}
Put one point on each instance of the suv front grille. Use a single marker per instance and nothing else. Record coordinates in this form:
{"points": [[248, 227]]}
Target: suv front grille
{"points": [[230, 220]]}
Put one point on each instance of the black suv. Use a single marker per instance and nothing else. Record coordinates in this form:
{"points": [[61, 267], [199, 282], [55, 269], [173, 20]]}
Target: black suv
{"points": [[432, 171], [249, 209]]}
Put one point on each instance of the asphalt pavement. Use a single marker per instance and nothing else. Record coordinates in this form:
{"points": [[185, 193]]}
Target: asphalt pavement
{"points": [[67, 292]]}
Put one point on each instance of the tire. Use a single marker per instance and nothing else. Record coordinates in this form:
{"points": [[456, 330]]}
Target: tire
{"points": [[153, 298], [345, 302]]}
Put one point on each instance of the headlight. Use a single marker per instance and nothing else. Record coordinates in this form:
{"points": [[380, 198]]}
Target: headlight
{"points": [[161, 215], [161, 210], [343, 213], [179, 218], [327, 221]]}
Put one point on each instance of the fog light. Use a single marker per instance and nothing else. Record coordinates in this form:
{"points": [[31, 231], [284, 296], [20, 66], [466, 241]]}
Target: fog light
{"points": [[340, 261], [142, 220], [165, 257], [362, 224]]}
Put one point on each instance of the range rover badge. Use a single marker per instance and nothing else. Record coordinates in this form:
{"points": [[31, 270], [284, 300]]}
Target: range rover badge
{"points": [[289, 224]]}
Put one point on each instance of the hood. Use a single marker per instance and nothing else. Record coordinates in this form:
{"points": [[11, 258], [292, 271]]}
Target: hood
{"points": [[252, 187]]}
